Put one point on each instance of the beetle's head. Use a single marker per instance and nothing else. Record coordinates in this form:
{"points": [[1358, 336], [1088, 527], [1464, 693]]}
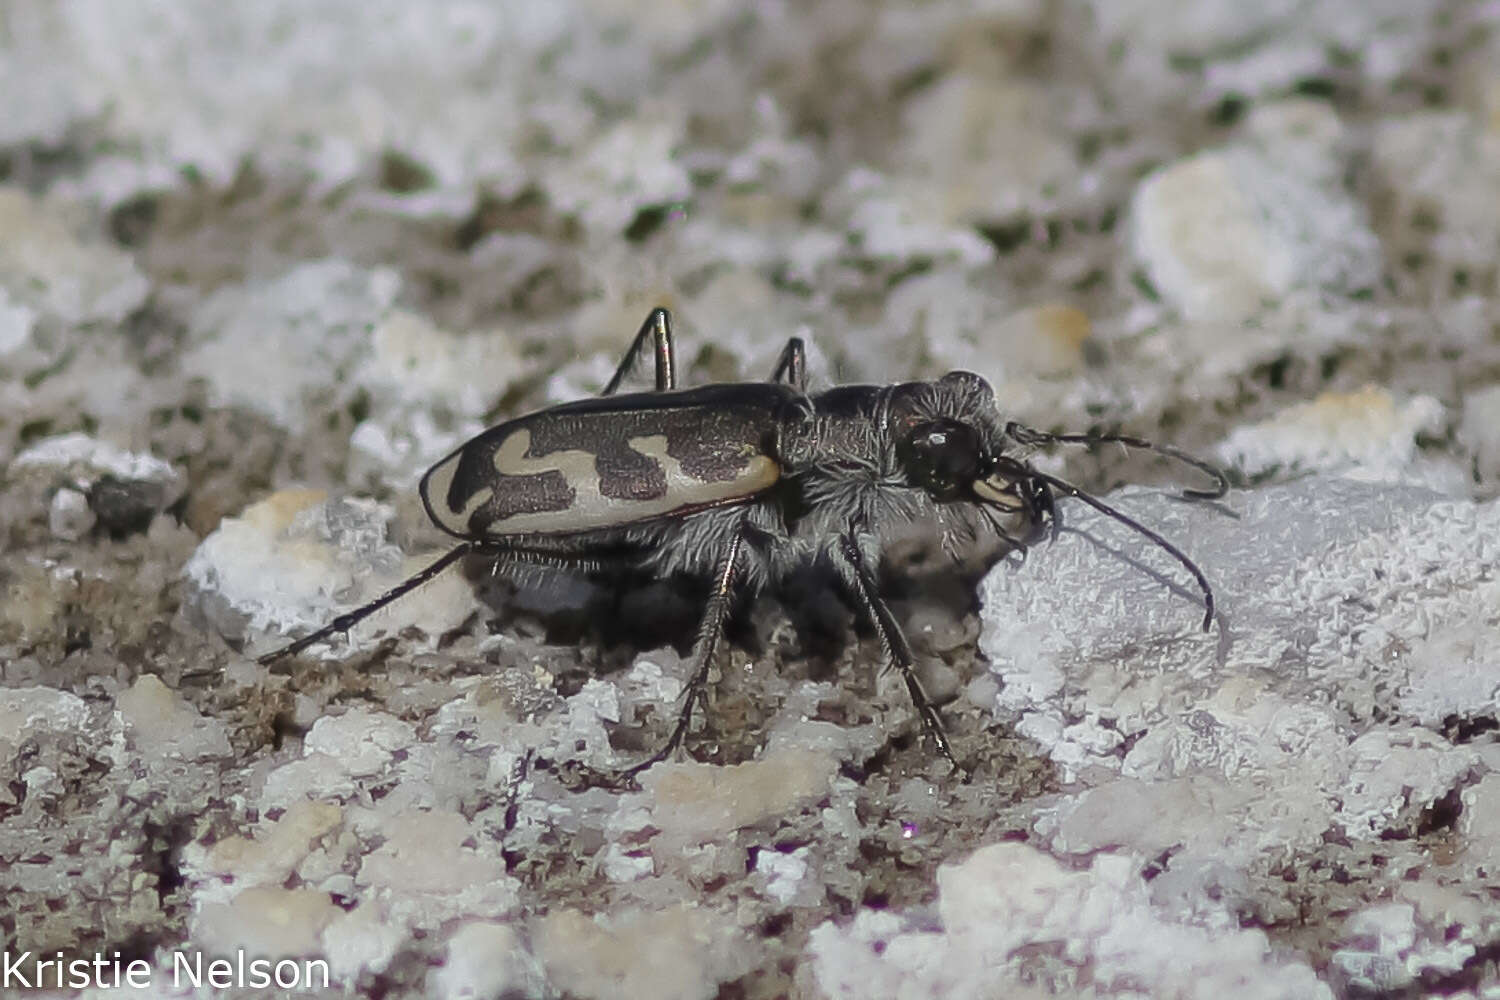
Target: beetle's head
{"points": [[948, 444], [943, 456]]}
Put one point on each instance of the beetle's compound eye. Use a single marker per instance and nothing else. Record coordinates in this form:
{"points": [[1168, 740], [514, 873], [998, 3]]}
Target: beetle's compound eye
{"points": [[941, 457]]}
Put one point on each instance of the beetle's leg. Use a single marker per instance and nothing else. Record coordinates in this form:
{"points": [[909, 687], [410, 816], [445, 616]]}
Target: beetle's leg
{"points": [[791, 367], [709, 631], [862, 583], [531, 553], [348, 620], [658, 325]]}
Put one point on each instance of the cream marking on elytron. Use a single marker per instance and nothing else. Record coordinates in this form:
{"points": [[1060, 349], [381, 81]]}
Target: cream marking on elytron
{"points": [[758, 473], [440, 481], [590, 508]]}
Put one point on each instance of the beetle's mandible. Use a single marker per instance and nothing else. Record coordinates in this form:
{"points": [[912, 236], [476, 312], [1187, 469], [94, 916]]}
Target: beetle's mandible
{"points": [[745, 483]]}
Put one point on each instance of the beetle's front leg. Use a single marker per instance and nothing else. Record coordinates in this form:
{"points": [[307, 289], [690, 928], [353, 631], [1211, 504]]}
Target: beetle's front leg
{"points": [[862, 583], [658, 326]]}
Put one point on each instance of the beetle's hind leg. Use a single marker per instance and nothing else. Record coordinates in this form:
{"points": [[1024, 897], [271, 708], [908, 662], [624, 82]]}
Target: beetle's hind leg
{"points": [[561, 559], [658, 326], [862, 583], [346, 621]]}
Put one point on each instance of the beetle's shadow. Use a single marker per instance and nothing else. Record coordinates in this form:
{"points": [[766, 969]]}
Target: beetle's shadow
{"points": [[617, 616], [1170, 582]]}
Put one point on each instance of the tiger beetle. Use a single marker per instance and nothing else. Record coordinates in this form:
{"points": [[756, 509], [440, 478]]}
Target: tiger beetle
{"points": [[744, 484]]}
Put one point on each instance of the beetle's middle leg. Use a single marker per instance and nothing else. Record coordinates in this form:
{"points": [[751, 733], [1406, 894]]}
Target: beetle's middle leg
{"points": [[658, 326], [710, 629], [862, 583]]}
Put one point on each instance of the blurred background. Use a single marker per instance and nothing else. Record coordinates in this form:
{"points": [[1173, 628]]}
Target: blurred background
{"points": [[395, 222]]}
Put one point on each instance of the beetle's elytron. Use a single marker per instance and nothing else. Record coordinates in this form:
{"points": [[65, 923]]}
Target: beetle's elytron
{"points": [[745, 483]]}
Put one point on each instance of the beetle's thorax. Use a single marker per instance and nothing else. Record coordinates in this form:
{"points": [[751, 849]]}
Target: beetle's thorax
{"points": [[843, 426], [842, 464], [855, 427]]}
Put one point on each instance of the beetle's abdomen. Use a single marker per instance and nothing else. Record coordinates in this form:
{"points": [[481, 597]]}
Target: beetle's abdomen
{"points": [[608, 462]]}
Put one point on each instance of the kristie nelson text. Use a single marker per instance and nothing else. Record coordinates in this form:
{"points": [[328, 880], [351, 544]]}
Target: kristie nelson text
{"points": [[25, 970]]}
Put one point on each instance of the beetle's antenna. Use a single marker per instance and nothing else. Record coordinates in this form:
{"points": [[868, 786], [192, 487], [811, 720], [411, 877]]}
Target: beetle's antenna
{"points": [[1130, 522], [1031, 436], [345, 622]]}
